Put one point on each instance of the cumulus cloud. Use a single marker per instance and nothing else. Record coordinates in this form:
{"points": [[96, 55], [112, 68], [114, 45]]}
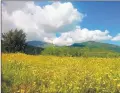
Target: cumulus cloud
{"points": [[116, 38], [42, 23], [11, 6], [38, 21], [79, 35]]}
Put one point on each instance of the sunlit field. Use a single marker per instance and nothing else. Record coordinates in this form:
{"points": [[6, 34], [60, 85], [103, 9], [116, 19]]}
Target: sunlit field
{"points": [[23, 73]]}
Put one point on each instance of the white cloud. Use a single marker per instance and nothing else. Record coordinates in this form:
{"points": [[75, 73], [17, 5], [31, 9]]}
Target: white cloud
{"points": [[79, 35], [39, 22], [42, 23], [116, 38], [11, 6]]}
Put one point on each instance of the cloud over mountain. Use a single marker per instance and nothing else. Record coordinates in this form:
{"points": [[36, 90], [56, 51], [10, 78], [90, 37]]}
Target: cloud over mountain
{"points": [[116, 38], [79, 35], [42, 23]]}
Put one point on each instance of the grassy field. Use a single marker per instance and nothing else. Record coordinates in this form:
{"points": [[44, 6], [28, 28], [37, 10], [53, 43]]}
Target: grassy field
{"points": [[23, 73]]}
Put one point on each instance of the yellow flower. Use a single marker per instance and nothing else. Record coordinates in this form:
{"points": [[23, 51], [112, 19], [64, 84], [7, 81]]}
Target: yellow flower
{"points": [[22, 91], [114, 80], [118, 87]]}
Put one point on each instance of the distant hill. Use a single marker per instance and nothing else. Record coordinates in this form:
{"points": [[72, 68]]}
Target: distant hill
{"points": [[98, 45], [90, 44], [38, 44]]}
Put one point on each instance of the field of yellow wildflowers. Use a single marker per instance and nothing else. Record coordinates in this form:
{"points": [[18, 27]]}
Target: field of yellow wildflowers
{"points": [[23, 73]]}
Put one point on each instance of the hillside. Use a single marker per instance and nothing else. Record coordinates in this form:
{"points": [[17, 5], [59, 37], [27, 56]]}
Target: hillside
{"points": [[97, 46], [38, 43]]}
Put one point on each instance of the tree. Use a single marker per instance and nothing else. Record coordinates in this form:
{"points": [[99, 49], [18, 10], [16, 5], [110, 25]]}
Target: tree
{"points": [[14, 41]]}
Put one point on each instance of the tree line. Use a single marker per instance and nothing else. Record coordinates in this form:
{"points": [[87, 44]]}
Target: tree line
{"points": [[15, 41]]}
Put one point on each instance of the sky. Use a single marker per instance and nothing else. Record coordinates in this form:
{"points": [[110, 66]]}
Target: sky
{"points": [[64, 23]]}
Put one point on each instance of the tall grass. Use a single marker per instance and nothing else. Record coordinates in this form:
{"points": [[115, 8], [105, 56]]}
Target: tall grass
{"points": [[23, 73]]}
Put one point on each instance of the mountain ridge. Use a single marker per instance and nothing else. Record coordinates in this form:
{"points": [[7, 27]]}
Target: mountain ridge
{"points": [[89, 44]]}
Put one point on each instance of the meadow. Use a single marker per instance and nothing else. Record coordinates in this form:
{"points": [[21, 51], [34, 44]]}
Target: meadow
{"points": [[22, 73]]}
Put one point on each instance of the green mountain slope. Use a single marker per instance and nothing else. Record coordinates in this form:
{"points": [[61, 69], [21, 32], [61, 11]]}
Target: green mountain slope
{"points": [[92, 45], [38, 44], [98, 46]]}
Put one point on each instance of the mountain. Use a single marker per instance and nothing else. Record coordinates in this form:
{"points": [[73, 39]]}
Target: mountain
{"points": [[98, 46], [38, 43]]}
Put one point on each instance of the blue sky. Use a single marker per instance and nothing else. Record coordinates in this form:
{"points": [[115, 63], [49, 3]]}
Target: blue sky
{"points": [[71, 27], [101, 15]]}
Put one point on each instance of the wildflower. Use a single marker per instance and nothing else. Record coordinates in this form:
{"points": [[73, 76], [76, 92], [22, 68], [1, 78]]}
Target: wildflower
{"points": [[118, 87], [22, 91]]}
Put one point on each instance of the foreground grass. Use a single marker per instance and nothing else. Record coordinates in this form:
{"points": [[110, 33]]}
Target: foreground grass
{"points": [[49, 74]]}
